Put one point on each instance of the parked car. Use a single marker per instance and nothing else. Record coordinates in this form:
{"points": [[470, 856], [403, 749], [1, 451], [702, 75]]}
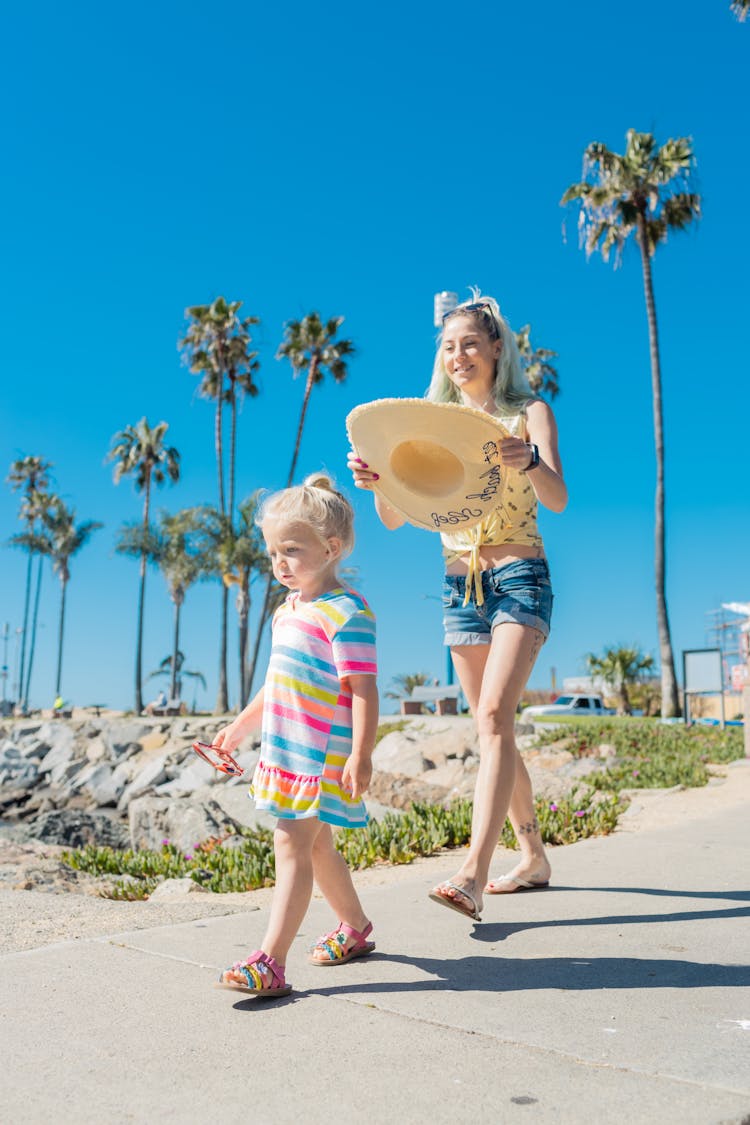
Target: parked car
{"points": [[573, 704]]}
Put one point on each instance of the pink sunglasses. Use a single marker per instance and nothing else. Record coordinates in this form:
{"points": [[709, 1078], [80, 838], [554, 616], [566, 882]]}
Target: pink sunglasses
{"points": [[209, 753]]}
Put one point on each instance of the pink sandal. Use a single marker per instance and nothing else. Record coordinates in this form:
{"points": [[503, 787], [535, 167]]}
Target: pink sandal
{"points": [[255, 969], [333, 945]]}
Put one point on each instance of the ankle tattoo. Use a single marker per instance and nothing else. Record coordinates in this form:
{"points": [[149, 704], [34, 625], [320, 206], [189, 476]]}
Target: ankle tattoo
{"points": [[529, 828]]}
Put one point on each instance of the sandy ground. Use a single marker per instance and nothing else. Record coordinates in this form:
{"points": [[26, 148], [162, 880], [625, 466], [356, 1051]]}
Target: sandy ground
{"points": [[30, 919]]}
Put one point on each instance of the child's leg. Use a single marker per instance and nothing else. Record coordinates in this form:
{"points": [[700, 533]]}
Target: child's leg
{"points": [[293, 842], [335, 881]]}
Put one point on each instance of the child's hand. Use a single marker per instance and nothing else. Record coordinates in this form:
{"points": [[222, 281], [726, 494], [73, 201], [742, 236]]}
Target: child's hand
{"points": [[356, 775], [227, 740]]}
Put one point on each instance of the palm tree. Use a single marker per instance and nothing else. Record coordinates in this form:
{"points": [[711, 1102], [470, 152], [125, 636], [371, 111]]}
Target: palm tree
{"points": [[741, 9], [248, 560], [536, 362], [643, 193], [65, 540], [171, 545], [140, 451], [620, 668], [173, 666], [216, 346], [405, 682], [237, 557], [31, 476], [309, 345]]}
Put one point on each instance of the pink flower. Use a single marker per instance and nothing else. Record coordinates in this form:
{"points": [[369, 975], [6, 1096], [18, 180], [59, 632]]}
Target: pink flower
{"points": [[164, 843], [188, 855], [553, 807], [636, 773], [579, 812]]}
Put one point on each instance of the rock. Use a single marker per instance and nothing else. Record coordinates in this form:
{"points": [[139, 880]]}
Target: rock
{"points": [[151, 774], [75, 829], [195, 775], [176, 888], [605, 750], [120, 735], [154, 740], [58, 758], [399, 752], [184, 821], [96, 782], [238, 805], [452, 775], [96, 751], [400, 792]]}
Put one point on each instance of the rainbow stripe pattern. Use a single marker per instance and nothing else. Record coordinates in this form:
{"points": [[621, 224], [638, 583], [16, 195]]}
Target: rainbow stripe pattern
{"points": [[307, 707]]}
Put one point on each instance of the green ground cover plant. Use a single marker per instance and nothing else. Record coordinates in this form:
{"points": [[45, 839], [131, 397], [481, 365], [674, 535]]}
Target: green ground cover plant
{"points": [[245, 861], [649, 754]]}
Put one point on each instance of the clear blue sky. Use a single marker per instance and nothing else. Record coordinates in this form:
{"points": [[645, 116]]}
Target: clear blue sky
{"points": [[354, 160]]}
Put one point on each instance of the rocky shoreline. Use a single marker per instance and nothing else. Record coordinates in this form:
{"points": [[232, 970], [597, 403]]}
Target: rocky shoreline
{"points": [[134, 782]]}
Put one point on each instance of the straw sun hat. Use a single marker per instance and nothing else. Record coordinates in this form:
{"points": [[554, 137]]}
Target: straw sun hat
{"points": [[439, 463]]}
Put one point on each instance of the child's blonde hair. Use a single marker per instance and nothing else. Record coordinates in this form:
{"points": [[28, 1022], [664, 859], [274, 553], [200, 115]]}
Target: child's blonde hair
{"points": [[316, 503]]}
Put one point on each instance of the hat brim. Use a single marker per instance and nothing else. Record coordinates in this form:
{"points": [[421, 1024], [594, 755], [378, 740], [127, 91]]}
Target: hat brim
{"points": [[439, 463]]}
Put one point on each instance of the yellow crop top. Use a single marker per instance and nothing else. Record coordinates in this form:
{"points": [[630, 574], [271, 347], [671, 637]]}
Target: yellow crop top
{"points": [[512, 521]]}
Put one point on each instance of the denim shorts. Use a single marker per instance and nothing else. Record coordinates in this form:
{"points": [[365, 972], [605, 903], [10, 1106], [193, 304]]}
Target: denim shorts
{"points": [[520, 591]]}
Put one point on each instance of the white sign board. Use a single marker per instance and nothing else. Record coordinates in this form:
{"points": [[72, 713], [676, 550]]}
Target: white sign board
{"points": [[702, 670]]}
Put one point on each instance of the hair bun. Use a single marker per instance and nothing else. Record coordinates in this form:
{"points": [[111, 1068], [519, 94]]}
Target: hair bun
{"points": [[319, 480]]}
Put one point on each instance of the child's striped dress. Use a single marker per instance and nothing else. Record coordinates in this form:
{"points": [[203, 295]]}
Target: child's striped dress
{"points": [[307, 707]]}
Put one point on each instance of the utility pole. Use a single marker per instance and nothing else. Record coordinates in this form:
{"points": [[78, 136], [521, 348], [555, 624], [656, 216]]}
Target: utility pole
{"points": [[4, 671]]}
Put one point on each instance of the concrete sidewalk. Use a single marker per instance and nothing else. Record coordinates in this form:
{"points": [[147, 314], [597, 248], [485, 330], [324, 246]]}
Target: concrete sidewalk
{"points": [[623, 991]]}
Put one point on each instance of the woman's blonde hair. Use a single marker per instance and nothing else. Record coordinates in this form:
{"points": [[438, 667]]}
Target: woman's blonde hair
{"points": [[512, 389], [317, 504]]}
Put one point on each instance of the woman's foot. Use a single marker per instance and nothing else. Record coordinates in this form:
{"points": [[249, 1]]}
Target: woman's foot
{"points": [[462, 896], [526, 875], [341, 945]]}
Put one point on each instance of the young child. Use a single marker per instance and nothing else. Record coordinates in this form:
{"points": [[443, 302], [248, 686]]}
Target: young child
{"points": [[319, 712]]}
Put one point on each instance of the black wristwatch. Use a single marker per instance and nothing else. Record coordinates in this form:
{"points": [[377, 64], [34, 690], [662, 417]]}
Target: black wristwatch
{"points": [[534, 458]]}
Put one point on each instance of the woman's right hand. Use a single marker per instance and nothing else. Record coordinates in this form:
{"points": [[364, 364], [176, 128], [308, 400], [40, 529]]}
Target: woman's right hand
{"points": [[364, 476]]}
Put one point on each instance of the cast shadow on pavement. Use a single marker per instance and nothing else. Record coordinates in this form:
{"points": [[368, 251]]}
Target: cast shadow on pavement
{"points": [[489, 932], [516, 974]]}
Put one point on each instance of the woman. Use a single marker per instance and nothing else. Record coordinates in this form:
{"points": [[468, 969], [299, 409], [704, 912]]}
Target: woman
{"points": [[497, 596]]}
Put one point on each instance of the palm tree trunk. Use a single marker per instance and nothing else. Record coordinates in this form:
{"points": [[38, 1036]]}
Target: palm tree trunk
{"points": [[60, 631], [141, 606], [222, 696], [219, 444], [670, 703], [269, 581], [24, 631], [243, 612], [175, 650], [232, 451], [308, 388], [32, 644]]}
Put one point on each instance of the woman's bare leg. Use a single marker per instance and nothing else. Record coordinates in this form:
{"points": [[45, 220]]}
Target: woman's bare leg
{"points": [[493, 678]]}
